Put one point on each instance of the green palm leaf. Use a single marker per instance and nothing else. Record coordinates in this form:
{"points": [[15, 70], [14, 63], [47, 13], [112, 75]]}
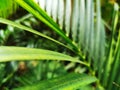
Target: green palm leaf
{"points": [[19, 53], [33, 8], [5, 21], [78, 18], [111, 58], [67, 82]]}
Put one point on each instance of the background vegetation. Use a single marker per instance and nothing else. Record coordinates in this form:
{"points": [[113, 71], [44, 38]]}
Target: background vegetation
{"points": [[68, 45]]}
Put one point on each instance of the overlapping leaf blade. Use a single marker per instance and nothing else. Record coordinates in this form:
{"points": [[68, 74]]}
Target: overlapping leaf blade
{"points": [[85, 25], [33, 8], [110, 57], [5, 21]]}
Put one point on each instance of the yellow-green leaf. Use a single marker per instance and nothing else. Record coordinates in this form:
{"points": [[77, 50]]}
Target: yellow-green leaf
{"points": [[21, 53]]}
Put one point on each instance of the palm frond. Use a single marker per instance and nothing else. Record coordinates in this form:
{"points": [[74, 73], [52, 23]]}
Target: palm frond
{"points": [[83, 22]]}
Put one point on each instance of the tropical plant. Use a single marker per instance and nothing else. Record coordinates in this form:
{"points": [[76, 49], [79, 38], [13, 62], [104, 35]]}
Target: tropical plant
{"points": [[83, 30]]}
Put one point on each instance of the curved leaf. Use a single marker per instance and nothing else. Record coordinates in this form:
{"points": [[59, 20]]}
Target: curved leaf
{"points": [[5, 21], [21, 53]]}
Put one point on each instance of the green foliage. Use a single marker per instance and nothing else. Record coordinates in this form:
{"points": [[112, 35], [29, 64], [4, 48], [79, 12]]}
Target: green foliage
{"points": [[93, 39], [19, 53], [112, 58], [61, 83], [2, 75], [92, 34], [32, 7], [7, 7], [30, 30]]}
